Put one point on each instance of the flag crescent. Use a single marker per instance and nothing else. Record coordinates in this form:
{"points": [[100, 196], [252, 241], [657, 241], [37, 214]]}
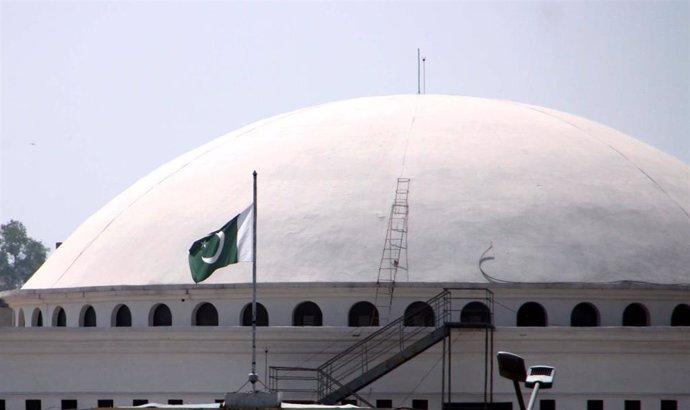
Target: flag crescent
{"points": [[219, 250]]}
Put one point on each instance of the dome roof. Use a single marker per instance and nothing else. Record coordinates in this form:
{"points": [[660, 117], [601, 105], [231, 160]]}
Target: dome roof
{"points": [[560, 198]]}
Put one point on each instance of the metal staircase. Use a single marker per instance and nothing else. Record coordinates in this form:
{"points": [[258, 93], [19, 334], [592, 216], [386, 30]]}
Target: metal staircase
{"points": [[384, 350], [394, 256]]}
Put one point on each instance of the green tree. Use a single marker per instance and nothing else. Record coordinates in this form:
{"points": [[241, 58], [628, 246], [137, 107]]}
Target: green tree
{"points": [[20, 255]]}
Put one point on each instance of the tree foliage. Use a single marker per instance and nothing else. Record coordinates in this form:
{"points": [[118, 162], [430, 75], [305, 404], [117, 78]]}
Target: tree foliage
{"points": [[20, 255]]}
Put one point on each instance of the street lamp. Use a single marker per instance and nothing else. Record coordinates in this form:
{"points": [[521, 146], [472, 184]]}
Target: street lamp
{"points": [[512, 367]]}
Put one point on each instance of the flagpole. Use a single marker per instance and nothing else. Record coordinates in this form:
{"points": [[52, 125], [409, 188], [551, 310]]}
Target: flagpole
{"points": [[253, 376], [255, 399]]}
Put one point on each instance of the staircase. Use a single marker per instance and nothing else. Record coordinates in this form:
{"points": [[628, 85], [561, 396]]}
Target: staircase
{"points": [[381, 352]]}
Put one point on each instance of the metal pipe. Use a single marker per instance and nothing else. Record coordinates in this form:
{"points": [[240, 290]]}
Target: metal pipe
{"points": [[533, 398], [443, 369], [419, 91], [518, 393], [450, 366], [252, 376], [424, 75]]}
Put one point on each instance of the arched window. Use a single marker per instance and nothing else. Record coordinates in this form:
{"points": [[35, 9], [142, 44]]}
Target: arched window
{"points": [[584, 315], [635, 315], [307, 314], [681, 315], [531, 314], [475, 313], [37, 318], [363, 314], [87, 317], [261, 315], [419, 314], [59, 317], [122, 317], [160, 316], [205, 315]]}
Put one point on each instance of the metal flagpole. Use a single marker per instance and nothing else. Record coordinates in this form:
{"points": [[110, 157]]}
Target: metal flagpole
{"points": [[255, 399], [253, 376]]}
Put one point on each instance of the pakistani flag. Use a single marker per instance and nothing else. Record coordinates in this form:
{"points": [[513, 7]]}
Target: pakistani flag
{"points": [[230, 244]]}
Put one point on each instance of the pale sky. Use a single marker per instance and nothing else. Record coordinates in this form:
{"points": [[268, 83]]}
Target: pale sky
{"points": [[97, 94]]}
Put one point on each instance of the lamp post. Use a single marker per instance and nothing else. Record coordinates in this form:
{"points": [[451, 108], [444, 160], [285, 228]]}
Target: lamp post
{"points": [[512, 367]]}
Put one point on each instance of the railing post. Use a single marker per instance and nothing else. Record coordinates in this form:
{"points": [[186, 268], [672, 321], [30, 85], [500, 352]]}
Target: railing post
{"points": [[448, 306], [364, 358], [271, 383], [318, 384], [402, 335]]}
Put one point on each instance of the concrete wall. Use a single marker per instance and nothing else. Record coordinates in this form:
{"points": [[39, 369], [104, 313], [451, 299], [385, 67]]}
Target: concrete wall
{"points": [[201, 364]]}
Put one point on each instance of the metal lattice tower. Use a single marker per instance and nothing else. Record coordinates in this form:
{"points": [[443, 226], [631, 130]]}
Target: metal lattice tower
{"points": [[394, 257]]}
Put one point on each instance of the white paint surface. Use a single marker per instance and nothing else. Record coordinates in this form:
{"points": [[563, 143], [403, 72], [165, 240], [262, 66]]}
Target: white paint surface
{"points": [[561, 199]]}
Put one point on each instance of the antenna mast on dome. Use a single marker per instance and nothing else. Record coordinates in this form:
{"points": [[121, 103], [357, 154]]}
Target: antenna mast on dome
{"points": [[394, 257], [423, 75], [419, 74]]}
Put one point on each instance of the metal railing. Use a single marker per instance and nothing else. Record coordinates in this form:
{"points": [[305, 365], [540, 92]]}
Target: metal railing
{"points": [[292, 379], [419, 320], [383, 343]]}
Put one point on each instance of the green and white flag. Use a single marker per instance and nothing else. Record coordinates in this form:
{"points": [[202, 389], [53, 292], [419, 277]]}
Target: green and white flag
{"points": [[231, 243]]}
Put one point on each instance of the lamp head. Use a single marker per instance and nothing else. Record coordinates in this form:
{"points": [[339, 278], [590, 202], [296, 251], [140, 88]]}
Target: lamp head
{"points": [[542, 375], [511, 366]]}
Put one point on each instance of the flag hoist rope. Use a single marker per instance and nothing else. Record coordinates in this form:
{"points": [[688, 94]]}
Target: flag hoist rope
{"points": [[253, 376]]}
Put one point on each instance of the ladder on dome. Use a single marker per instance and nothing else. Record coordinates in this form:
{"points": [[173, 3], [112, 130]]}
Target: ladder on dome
{"points": [[394, 256], [394, 344]]}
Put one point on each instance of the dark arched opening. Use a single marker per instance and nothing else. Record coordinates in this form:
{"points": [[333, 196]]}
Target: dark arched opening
{"points": [[681, 315], [419, 314], [363, 314], [161, 316], [206, 315], [635, 315], [531, 314], [475, 313], [123, 317], [88, 317], [59, 317], [584, 315], [261, 315], [307, 314], [37, 318]]}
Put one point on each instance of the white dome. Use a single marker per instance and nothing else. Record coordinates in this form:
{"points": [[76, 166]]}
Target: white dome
{"points": [[561, 198]]}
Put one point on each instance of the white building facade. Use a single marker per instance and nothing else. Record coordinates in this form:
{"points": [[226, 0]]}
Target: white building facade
{"points": [[575, 238]]}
